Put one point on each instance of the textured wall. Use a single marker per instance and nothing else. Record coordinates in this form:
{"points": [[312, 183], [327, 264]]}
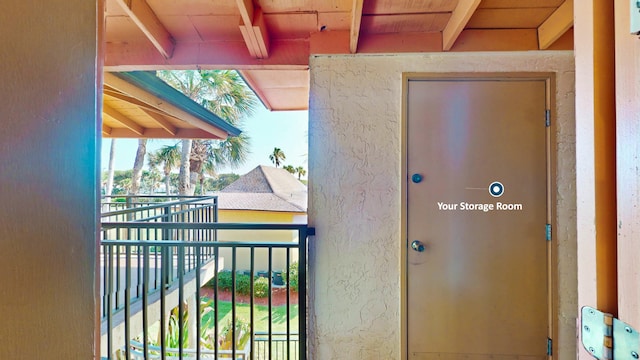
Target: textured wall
{"points": [[355, 141], [48, 179]]}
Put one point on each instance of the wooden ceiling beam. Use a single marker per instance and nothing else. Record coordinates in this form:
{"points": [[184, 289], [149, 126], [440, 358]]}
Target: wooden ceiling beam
{"points": [[128, 99], [459, 19], [109, 92], [162, 121], [253, 29], [136, 55], [144, 17], [157, 133], [556, 25], [122, 119], [106, 131], [356, 19]]}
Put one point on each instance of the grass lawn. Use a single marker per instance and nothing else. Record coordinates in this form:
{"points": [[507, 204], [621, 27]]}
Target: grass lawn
{"points": [[261, 316]]}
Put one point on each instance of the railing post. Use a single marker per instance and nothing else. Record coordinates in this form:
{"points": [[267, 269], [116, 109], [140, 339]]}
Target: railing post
{"points": [[302, 289], [167, 257]]}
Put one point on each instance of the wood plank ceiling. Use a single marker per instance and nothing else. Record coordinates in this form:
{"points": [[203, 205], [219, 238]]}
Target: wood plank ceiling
{"points": [[270, 41]]}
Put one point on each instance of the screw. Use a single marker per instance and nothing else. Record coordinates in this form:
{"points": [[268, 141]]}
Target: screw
{"points": [[628, 329], [592, 350], [586, 328], [591, 311], [634, 354]]}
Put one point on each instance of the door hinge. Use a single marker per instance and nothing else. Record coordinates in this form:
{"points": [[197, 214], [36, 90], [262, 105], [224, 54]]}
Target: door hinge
{"points": [[549, 347], [606, 337], [548, 232], [547, 118]]}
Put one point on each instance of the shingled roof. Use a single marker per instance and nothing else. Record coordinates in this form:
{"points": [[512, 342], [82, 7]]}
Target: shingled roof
{"points": [[265, 188]]}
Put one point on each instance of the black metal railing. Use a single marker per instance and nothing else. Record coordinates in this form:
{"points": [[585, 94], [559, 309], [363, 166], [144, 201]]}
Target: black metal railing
{"points": [[159, 208], [153, 271], [182, 212]]}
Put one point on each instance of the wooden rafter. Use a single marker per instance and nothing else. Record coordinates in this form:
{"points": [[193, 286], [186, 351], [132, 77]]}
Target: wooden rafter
{"points": [[106, 131], [459, 19], [164, 106], [108, 92], [356, 18], [162, 121], [254, 29], [122, 119], [556, 25], [144, 17], [155, 133], [128, 99]]}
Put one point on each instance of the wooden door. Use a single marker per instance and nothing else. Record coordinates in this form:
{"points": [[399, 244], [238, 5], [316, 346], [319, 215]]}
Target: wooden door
{"points": [[477, 273]]}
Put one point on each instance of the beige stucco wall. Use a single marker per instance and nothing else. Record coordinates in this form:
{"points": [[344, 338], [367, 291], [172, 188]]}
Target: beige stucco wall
{"points": [[355, 140], [48, 178], [261, 256]]}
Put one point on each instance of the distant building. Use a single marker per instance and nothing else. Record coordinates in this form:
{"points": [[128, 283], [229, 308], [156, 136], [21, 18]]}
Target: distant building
{"points": [[264, 195]]}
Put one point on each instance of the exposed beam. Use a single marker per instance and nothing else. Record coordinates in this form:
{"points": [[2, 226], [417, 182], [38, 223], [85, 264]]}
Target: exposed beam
{"points": [[497, 40], [337, 42], [246, 10], [162, 121], [141, 14], [160, 134], [459, 19], [253, 29], [144, 96], [106, 131], [141, 55], [109, 92], [119, 117], [400, 43], [128, 99], [356, 18], [556, 25]]}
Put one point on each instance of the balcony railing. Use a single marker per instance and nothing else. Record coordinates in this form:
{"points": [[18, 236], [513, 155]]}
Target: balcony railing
{"points": [[154, 270]]}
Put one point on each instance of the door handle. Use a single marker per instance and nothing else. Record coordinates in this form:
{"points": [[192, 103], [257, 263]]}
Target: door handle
{"points": [[417, 246]]}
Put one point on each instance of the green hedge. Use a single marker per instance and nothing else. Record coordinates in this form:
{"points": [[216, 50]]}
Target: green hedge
{"points": [[243, 284]]}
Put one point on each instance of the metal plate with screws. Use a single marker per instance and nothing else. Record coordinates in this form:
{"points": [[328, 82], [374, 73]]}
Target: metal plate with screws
{"points": [[605, 337]]}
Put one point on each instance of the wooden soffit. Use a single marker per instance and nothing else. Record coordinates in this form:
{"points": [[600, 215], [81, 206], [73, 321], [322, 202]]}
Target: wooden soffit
{"points": [[270, 41]]}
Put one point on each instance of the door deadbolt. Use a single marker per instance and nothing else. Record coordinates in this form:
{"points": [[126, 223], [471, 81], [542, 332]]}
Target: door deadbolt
{"points": [[416, 178], [417, 246]]}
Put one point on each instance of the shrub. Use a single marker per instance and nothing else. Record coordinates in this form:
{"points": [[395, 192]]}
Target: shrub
{"points": [[292, 276], [243, 284], [261, 287], [224, 280]]}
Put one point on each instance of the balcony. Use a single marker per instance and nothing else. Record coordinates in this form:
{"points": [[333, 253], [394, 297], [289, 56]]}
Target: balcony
{"points": [[164, 259]]}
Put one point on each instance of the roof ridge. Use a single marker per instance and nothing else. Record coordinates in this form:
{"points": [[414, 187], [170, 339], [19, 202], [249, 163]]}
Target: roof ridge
{"points": [[280, 195], [264, 173]]}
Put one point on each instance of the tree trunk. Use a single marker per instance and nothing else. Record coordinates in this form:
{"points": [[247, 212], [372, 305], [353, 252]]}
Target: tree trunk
{"points": [[201, 181], [184, 187], [137, 167], [167, 182], [112, 156], [193, 181]]}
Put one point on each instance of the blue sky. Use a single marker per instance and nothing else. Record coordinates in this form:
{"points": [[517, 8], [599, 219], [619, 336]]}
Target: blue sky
{"points": [[287, 130]]}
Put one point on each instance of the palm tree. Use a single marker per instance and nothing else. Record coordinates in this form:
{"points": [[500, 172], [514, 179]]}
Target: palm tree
{"points": [[137, 167], [301, 172], [112, 155], [208, 168], [290, 169], [169, 157], [276, 156], [224, 93]]}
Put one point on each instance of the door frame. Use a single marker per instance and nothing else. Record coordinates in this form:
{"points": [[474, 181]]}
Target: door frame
{"points": [[551, 155]]}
